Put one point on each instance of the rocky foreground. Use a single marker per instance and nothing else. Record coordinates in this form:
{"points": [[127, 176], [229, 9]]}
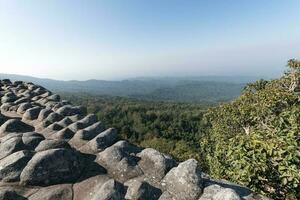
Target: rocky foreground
{"points": [[50, 149]]}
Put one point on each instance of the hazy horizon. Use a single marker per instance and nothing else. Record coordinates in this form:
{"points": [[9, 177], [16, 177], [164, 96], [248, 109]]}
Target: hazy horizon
{"points": [[112, 40]]}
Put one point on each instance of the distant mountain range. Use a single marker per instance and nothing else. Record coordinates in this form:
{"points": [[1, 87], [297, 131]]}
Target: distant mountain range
{"points": [[179, 89]]}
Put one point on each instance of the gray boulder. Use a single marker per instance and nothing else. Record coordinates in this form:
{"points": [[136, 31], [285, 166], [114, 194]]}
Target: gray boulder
{"points": [[184, 182], [52, 144], [23, 107], [10, 195], [110, 190], [15, 125], [101, 142], [32, 113], [65, 133], [12, 166], [140, 190], [154, 164], [44, 114], [120, 161], [11, 145], [55, 192], [52, 166], [226, 194]]}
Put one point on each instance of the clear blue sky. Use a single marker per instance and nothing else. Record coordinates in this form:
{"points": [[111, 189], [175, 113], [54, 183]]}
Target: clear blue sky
{"points": [[113, 39]]}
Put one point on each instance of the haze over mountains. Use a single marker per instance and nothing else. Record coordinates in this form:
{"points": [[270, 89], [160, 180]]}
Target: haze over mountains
{"points": [[208, 89]]}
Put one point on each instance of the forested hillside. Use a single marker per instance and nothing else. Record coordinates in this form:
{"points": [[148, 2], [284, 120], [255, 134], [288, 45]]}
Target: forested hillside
{"points": [[253, 140]]}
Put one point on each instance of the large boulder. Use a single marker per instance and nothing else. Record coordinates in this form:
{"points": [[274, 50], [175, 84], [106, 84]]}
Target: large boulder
{"points": [[65, 133], [101, 142], [32, 113], [52, 144], [55, 192], [10, 195], [68, 110], [90, 132], [184, 182], [120, 161], [12, 166], [154, 164], [23, 107], [52, 166], [16, 126], [44, 114], [110, 190], [11, 145], [140, 190]]}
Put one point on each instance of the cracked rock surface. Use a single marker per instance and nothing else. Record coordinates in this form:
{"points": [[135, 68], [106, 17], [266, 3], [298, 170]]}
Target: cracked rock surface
{"points": [[52, 150]]}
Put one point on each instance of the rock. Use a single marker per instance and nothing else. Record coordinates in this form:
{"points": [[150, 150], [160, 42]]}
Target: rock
{"points": [[55, 127], [52, 144], [111, 190], [22, 100], [32, 141], [65, 133], [101, 142], [210, 191], [10, 195], [91, 131], [120, 161], [52, 166], [166, 196], [6, 106], [15, 125], [12, 166], [44, 114], [65, 122], [68, 110], [184, 182], [154, 164], [32, 113], [55, 192], [23, 107], [140, 190], [10, 146], [87, 188], [54, 117], [54, 97], [226, 194]]}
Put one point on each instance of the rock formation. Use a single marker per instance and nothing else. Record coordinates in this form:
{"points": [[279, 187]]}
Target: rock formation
{"points": [[50, 149]]}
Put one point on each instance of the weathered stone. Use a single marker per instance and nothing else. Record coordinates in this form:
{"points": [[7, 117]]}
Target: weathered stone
{"points": [[52, 166], [184, 182], [54, 117], [140, 190], [12, 166], [52, 144], [110, 190], [120, 162], [55, 127], [65, 122], [65, 133], [10, 146], [31, 142], [227, 194], [91, 131], [54, 97], [44, 114], [23, 107], [102, 141], [32, 113], [15, 125], [154, 164], [68, 110], [10, 195], [55, 192], [210, 191]]}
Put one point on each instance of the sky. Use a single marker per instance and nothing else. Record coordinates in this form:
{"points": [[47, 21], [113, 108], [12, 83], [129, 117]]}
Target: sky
{"points": [[117, 39]]}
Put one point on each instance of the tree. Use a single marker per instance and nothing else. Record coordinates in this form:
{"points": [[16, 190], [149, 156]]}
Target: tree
{"points": [[294, 70]]}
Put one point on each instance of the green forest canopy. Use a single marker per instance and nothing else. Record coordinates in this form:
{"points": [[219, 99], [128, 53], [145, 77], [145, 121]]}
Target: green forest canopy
{"points": [[252, 140]]}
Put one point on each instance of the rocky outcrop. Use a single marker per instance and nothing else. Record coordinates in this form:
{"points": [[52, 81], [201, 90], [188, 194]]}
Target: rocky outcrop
{"points": [[50, 149]]}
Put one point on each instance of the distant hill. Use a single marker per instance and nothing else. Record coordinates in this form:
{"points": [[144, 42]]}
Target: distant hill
{"points": [[183, 89]]}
